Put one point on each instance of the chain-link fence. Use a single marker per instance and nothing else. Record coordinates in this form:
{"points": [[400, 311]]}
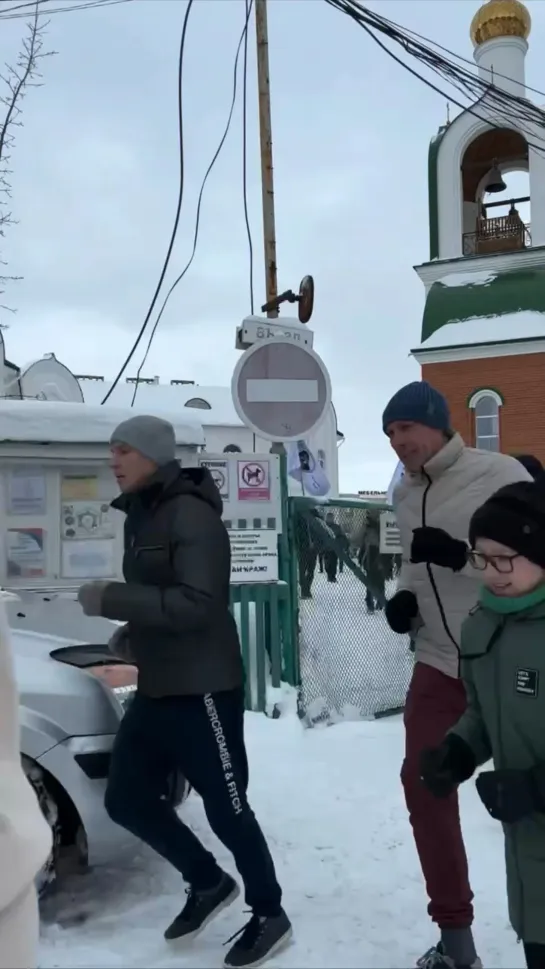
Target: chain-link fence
{"points": [[351, 664]]}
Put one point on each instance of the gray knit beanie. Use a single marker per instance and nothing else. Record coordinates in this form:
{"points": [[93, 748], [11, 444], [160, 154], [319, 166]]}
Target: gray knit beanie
{"points": [[151, 436]]}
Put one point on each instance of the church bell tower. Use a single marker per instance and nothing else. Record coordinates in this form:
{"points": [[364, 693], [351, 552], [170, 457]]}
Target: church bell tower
{"points": [[482, 340]]}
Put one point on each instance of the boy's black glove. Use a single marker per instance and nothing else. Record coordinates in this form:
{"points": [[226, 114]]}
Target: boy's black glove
{"points": [[400, 611], [436, 547], [443, 768], [510, 795]]}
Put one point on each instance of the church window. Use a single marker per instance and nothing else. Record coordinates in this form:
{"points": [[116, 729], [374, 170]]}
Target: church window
{"points": [[485, 405]]}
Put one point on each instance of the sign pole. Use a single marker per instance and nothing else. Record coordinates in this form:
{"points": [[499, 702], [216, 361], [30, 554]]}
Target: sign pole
{"points": [[265, 137]]}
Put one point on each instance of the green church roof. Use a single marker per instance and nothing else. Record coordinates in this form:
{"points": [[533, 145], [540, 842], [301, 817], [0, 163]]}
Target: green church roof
{"points": [[484, 307]]}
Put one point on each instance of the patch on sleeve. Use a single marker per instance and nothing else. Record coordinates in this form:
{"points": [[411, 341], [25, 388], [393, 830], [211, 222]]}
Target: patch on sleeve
{"points": [[527, 682]]}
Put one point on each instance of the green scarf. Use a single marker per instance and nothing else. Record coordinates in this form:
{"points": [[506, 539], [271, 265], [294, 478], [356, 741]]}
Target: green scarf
{"points": [[505, 605]]}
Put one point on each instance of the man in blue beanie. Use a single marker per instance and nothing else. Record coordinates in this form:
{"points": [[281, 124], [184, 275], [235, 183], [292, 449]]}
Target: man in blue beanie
{"points": [[443, 484]]}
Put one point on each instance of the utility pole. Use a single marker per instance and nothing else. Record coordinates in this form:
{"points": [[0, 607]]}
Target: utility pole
{"points": [[265, 136]]}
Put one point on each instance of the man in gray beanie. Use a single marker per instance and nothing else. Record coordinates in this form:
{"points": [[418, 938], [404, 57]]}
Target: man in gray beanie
{"points": [[443, 484], [188, 712]]}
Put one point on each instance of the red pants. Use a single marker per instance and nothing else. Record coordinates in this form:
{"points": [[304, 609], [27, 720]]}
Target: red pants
{"points": [[435, 702]]}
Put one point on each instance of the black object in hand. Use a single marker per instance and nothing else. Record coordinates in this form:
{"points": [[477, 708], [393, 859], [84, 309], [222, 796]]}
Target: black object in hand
{"points": [[509, 795], [401, 610], [436, 547], [443, 768]]}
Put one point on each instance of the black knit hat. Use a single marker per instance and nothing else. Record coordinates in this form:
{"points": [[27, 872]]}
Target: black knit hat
{"points": [[515, 517]]}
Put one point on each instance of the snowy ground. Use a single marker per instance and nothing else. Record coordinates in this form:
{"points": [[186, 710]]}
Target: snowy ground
{"points": [[352, 664], [331, 805]]}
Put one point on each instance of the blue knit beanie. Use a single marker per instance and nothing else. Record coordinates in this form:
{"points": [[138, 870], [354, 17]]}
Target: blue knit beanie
{"points": [[419, 403]]}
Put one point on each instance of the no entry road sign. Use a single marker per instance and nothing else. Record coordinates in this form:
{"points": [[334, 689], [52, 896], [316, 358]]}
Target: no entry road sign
{"points": [[281, 391]]}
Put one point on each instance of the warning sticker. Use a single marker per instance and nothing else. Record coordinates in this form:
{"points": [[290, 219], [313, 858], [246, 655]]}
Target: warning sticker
{"points": [[254, 482], [220, 473]]}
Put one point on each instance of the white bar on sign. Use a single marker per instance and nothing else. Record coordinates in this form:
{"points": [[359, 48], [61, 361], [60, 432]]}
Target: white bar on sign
{"points": [[278, 391]]}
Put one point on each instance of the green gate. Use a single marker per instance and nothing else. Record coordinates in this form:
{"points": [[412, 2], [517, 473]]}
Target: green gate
{"points": [[263, 615], [352, 665]]}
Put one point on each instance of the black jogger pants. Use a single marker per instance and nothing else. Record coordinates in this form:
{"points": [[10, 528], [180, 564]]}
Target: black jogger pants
{"points": [[203, 737]]}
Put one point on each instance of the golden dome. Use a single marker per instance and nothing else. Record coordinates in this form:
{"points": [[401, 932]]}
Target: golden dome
{"points": [[500, 18]]}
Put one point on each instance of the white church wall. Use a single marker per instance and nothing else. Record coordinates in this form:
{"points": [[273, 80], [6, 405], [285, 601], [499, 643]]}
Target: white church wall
{"points": [[501, 61], [470, 215], [537, 193]]}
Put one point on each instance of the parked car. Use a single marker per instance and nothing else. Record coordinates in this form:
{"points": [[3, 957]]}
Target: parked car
{"points": [[73, 696]]}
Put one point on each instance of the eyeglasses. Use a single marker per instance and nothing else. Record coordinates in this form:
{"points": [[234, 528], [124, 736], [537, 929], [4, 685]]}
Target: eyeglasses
{"points": [[502, 563]]}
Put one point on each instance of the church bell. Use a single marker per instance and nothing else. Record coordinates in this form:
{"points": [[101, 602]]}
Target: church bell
{"points": [[495, 182]]}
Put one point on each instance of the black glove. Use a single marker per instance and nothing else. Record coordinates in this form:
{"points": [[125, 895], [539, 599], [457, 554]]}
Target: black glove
{"points": [[436, 547], [400, 611], [510, 795], [443, 768]]}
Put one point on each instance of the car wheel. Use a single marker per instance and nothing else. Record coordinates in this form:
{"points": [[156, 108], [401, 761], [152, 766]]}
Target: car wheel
{"points": [[46, 878]]}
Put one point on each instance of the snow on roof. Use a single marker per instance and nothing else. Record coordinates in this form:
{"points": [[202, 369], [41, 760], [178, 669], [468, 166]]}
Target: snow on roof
{"points": [[467, 279], [43, 421], [497, 306], [169, 399], [525, 325]]}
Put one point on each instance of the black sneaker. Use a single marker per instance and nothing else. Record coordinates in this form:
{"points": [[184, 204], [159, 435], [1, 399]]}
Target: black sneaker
{"points": [[436, 958], [201, 908], [260, 939]]}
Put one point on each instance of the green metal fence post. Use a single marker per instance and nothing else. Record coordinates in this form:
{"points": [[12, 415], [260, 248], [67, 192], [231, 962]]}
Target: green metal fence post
{"points": [[290, 664]]}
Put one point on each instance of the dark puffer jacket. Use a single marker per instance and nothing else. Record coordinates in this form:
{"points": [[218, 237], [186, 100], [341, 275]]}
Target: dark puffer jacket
{"points": [[175, 599], [503, 666]]}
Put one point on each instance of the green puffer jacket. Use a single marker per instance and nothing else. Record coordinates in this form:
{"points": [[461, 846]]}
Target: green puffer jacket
{"points": [[503, 666]]}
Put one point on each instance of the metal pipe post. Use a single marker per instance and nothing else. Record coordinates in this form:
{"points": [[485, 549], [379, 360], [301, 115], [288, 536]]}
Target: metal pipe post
{"points": [[265, 136]]}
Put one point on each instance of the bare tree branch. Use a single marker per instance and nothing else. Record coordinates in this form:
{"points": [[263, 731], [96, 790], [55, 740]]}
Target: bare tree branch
{"points": [[16, 79]]}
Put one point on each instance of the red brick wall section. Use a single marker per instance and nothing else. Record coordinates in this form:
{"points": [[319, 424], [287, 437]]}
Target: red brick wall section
{"points": [[521, 382]]}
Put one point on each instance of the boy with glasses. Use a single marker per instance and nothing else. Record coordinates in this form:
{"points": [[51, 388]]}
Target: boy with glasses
{"points": [[503, 667]]}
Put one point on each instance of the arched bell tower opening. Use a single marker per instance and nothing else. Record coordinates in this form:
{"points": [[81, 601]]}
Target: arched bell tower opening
{"points": [[496, 194]]}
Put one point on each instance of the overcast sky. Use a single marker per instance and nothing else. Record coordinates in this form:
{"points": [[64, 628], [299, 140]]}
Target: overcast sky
{"points": [[95, 180]]}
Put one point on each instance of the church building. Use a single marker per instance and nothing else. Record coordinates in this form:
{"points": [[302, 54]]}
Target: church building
{"points": [[482, 340]]}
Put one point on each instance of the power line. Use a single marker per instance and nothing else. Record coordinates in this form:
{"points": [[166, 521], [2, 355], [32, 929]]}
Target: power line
{"points": [[245, 161], [199, 202], [178, 206], [458, 57], [22, 10], [514, 107], [22, 6], [467, 82]]}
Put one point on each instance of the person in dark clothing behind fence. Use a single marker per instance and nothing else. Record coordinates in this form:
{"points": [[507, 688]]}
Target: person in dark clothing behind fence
{"points": [[370, 561], [188, 711], [331, 558], [344, 546], [307, 554]]}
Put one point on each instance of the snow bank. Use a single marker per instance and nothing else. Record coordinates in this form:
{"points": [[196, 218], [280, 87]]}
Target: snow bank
{"points": [[46, 422]]}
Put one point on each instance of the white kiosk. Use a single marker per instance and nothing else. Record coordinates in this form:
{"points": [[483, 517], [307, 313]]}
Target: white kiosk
{"points": [[56, 525]]}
